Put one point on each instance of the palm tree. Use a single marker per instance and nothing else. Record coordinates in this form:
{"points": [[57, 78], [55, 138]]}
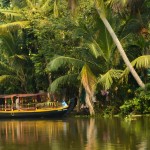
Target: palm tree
{"points": [[21, 20], [15, 65], [101, 11], [78, 70], [95, 59]]}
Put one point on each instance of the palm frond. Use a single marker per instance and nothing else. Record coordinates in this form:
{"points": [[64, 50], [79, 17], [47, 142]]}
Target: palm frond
{"points": [[63, 80], [8, 41], [18, 60], [95, 48], [10, 13], [7, 78], [55, 9], [88, 79], [5, 69], [21, 57], [13, 26], [100, 7], [138, 63], [30, 4], [62, 61], [45, 5], [141, 62], [107, 79], [90, 42]]}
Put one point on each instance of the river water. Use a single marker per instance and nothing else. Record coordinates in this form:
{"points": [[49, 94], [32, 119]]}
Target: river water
{"points": [[76, 134]]}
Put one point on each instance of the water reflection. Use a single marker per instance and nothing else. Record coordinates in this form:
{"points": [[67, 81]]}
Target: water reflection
{"points": [[73, 134]]}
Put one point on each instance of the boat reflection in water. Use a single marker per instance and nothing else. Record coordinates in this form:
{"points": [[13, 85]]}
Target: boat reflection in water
{"points": [[30, 132], [75, 134]]}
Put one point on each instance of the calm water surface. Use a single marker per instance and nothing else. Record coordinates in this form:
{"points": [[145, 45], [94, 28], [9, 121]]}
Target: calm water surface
{"points": [[75, 134]]}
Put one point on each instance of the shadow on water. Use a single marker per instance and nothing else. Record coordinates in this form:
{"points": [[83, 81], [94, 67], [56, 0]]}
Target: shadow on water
{"points": [[75, 134]]}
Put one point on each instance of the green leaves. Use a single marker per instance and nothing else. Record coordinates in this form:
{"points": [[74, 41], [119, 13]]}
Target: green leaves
{"points": [[7, 78], [95, 49], [62, 61], [10, 13], [55, 9], [88, 79], [30, 4], [142, 62], [5, 69], [99, 4], [13, 26], [69, 79], [107, 79], [139, 63]]}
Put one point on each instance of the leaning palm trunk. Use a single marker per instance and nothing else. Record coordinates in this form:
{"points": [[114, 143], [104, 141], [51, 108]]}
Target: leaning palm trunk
{"points": [[89, 83], [88, 100], [120, 48]]}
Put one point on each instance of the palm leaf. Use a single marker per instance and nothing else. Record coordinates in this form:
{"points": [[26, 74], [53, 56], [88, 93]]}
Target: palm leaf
{"points": [[88, 79], [95, 48], [100, 7], [62, 61], [45, 5], [10, 13], [20, 57], [5, 69], [55, 9], [9, 42], [30, 4], [107, 79], [7, 78], [13, 26], [63, 80], [18, 60], [139, 63], [89, 40]]}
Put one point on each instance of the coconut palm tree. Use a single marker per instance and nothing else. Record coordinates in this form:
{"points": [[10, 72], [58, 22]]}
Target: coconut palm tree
{"points": [[100, 7], [100, 49], [97, 57], [23, 20], [15, 65]]}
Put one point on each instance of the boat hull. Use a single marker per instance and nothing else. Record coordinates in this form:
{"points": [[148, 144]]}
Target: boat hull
{"points": [[33, 114]]}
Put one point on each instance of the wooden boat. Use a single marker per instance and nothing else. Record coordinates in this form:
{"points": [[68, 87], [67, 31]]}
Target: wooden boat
{"points": [[30, 106]]}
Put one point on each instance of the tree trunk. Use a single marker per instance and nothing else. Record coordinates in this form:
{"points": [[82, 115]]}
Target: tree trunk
{"points": [[120, 48], [89, 104]]}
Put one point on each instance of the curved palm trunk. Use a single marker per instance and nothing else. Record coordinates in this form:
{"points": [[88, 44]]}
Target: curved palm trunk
{"points": [[89, 104], [120, 48]]}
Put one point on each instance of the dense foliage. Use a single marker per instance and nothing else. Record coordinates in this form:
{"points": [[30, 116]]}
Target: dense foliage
{"points": [[63, 47]]}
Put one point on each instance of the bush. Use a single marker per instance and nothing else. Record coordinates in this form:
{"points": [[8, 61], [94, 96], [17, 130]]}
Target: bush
{"points": [[134, 105]]}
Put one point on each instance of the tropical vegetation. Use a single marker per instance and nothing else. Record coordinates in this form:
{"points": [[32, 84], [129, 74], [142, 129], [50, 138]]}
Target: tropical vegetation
{"points": [[98, 51]]}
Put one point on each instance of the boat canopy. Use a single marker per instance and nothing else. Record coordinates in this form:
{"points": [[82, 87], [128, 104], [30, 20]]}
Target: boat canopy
{"points": [[21, 95]]}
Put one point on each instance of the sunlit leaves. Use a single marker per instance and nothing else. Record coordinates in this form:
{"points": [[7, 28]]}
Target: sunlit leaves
{"points": [[142, 62], [63, 61], [13, 26], [7, 78], [99, 4], [88, 79], [55, 9], [107, 79]]}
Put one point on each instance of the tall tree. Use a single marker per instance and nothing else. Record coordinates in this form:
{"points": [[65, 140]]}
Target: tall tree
{"points": [[100, 7]]}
